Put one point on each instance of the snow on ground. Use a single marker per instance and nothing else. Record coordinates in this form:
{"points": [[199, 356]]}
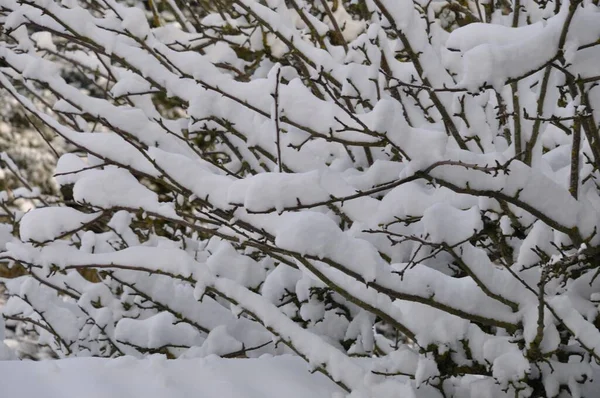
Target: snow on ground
{"points": [[154, 377]]}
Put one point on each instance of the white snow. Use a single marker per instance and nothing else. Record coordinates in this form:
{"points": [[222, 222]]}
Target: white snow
{"points": [[156, 377], [371, 206], [47, 223]]}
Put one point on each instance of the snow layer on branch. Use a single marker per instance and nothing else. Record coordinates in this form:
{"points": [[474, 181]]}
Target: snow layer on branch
{"points": [[278, 282], [196, 175], [315, 234], [134, 20], [227, 262], [68, 169], [493, 54], [49, 223], [529, 187], [584, 331], [267, 191], [446, 224], [402, 12], [116, 187], [457, 293], [157, 331], [414, 198], [152, 259], [312, 347], [218, 342]]}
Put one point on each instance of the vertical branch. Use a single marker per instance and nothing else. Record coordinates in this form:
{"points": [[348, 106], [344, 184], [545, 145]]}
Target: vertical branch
{"points": [[534, 348], [516, 13], [574, 176], [537, 124], [155, 17], [275, 118], [186, 26], [309, 25], [589, 124], [336, 27], [545, 80], [517, 138]]}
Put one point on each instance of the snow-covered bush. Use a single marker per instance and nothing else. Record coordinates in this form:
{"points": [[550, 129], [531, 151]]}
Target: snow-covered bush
{"points": [[412, 211]]}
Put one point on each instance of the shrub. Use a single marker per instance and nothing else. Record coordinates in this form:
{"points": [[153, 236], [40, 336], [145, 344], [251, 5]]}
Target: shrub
{"points": [[403, 193]]}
